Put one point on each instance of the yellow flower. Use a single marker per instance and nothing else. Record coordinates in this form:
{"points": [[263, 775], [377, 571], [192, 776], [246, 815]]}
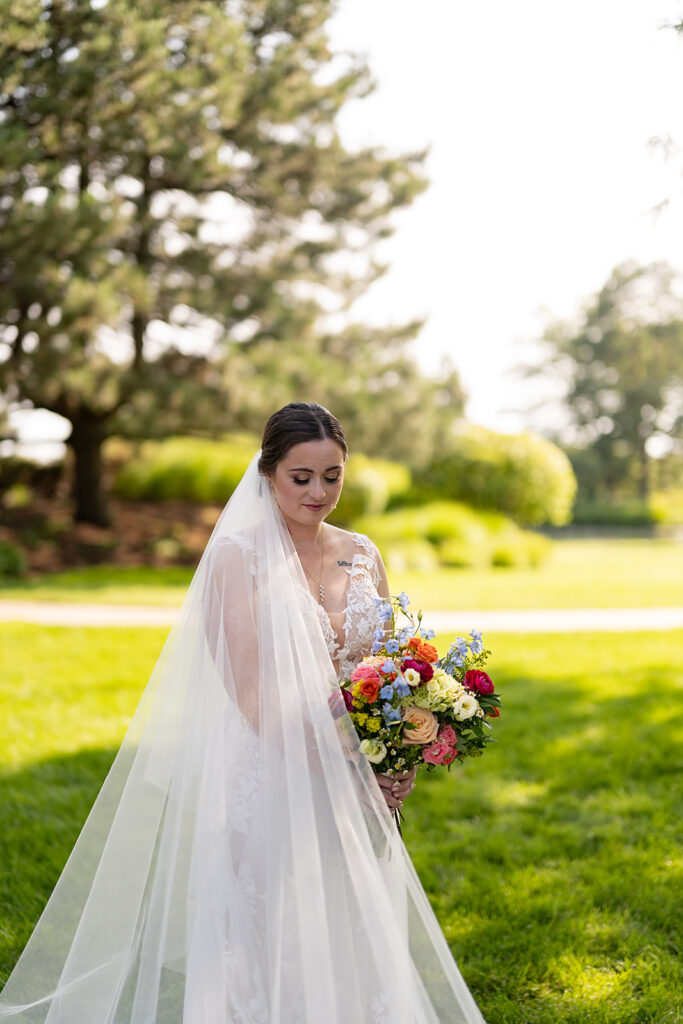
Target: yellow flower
{"points": [[373, 725], [360, 718]]}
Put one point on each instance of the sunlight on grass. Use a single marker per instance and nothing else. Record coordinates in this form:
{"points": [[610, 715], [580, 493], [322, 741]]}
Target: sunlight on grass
{"points": [[553, 862], [579, 574]]}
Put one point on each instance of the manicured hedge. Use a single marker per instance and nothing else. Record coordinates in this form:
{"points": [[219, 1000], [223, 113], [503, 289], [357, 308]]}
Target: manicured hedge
{"points": [[523, 475], [450, 533], [188, 468], [196, 469]]}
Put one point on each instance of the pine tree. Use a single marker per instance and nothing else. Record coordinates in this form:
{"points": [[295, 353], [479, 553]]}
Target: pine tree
{"points": [[173, 187]]}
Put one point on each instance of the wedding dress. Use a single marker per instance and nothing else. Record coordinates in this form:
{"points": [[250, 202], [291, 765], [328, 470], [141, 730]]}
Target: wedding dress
{"points": [[240, 865]]}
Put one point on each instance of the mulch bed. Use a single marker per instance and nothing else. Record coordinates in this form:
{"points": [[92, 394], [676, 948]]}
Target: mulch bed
{"points": [[141, 532]]}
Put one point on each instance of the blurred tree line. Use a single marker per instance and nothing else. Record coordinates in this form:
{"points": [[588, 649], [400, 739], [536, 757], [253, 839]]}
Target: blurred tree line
{"points": [[621, 365], [180, 225]]}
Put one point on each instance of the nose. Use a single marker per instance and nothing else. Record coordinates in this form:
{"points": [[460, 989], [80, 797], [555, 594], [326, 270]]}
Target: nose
{"points": [[317, 490]]}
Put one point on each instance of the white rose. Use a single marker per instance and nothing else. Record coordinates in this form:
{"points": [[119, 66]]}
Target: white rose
{"points": [[374, 750], [465, 707]]}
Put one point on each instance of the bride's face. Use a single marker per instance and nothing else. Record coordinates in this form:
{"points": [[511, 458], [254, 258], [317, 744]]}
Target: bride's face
{"points": [[308, 480]]}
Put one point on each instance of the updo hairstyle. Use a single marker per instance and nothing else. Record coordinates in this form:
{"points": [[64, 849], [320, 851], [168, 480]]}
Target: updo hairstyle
{"points": [[293, 424]]}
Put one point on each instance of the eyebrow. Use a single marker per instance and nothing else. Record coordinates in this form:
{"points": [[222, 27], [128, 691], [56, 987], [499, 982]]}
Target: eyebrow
{"points": [[303, 469]]}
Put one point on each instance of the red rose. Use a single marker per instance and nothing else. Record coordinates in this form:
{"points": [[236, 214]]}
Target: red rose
{"points": [[426, 671], [348, 699], [477, 680]]}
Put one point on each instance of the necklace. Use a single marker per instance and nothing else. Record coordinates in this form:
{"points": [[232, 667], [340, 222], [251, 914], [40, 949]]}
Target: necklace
{"points": [[318, 582]]}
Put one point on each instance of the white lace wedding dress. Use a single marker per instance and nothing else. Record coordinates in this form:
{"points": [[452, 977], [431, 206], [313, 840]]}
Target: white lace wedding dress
{"points": [[240, 865], [349, 634]]}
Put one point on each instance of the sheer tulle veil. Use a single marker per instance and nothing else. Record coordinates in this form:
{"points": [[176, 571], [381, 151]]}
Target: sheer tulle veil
{"points": [[240, 865]]}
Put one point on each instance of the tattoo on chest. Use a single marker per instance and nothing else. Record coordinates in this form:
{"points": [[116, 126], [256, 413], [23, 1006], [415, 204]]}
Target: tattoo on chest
{"points": [[340, 561]]}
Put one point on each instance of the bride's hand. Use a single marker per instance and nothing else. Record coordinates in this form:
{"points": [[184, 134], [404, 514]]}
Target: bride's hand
{"points": [[395, 788]]}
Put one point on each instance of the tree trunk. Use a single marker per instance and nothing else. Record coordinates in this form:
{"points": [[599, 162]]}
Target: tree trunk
{"points": [[644, 475], [86, 438]]}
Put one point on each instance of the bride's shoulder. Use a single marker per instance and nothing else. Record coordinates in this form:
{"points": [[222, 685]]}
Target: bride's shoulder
{"points": [[349, 542], [233, 548]]}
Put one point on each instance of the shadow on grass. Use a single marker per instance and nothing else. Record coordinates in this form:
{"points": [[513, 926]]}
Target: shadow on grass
{"points": [[554, 863], [42, 810]]}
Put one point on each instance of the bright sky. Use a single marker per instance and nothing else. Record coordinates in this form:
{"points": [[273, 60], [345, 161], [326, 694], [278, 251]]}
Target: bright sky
{"points": [[539, 115]]}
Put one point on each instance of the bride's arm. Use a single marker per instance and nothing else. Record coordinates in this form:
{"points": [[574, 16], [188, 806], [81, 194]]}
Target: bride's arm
{"points": [[230, 625]]}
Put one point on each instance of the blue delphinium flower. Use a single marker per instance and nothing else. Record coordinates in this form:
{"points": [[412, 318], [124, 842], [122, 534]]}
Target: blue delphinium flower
{"points": [[427, 634], [379, 633], [385, 611], [404, 636], [476, 646], [390, 714], [388, 666], [457, 652], [392, 646], [376, 646], [401, 687], [403, 600], [387, 692]]}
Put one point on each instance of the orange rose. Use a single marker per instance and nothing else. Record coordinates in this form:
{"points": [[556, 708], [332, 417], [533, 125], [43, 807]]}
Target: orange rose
{"points": [[426, 726], [367, 688], [424, 651]]}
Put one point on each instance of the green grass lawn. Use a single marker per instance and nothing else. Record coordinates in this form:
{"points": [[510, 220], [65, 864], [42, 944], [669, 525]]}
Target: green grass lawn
{"points": [[579, 573], [554, 863]]}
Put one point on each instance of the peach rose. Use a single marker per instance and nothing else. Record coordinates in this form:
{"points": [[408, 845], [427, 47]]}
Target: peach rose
{"points": [[426, 726]]}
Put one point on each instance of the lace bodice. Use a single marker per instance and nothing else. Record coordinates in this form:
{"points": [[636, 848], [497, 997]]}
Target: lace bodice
{"points": [[349, 634]]}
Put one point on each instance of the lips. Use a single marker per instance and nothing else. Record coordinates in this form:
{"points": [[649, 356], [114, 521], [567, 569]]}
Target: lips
{"points": [[314, 508]]}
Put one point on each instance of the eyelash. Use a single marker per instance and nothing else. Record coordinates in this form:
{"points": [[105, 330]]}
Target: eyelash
{"points": [[330, 480]]}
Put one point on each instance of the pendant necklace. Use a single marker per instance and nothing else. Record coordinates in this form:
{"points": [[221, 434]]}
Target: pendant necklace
{"points": [[318, 582]]}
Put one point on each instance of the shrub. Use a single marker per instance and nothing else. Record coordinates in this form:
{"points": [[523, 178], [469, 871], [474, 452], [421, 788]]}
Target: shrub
{"points": [[522, 475], [369, 486], [193, 469], [201, 470], [667, 506], [12, 560], [457, 535], [632, 512]]}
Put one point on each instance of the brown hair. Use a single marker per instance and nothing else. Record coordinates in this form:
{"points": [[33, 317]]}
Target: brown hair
{"points": [[293, 424]]}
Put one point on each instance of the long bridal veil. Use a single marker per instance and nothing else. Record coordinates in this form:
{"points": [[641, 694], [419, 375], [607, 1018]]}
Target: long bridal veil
{"points": [[240, 865]]}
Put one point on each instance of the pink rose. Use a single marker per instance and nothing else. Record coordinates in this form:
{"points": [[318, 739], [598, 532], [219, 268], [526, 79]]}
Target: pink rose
{"points": [[439, 752], [477, 680], [365, 673], [447, 735], [426, 671]]}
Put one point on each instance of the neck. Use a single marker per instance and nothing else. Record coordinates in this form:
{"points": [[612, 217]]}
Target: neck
{"points": [[304, 536]]}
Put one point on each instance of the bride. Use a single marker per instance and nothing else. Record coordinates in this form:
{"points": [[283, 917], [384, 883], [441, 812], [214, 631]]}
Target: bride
{"points": [[241, 864]]}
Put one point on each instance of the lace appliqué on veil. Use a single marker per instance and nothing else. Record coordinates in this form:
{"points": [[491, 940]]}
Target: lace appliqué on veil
{"points": [[361, 618]]}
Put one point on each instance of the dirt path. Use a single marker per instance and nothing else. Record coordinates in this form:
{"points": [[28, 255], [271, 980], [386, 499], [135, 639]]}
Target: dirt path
{"points": [[543, 620]]}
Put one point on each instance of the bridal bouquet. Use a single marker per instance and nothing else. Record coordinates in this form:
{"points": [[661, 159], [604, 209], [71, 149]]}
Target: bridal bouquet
{"points": [[411, 707]]}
